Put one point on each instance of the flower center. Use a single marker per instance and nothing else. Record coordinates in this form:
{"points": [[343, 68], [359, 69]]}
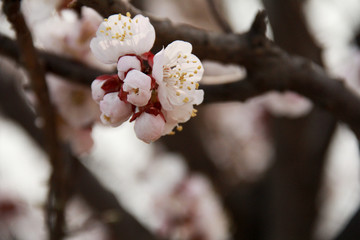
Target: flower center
{"points": [[120, 29]]}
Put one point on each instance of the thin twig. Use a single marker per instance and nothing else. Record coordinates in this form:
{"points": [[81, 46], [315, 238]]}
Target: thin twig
{"points": [[57, 192]]}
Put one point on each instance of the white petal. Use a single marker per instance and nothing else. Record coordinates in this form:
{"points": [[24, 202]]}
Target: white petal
{"points": [[138, 85], [179, 114], [96, 90], [119, 35], [137, 79], [126, 63], [175, 48], [114, 111], [198, 97], [144, 35], [169, 126], [139, 99], [149, 127], [163, 97], [158, 72]]}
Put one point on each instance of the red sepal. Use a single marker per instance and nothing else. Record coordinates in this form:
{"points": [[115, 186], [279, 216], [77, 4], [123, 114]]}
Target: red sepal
{"points": [[123, 95], [149, 56], [112, 83]]}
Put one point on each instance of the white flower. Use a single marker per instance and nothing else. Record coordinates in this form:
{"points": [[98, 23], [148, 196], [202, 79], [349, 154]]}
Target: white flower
{"points": [[114, 111], [288, 104], [120, 35], [127, 63], [138, 85], [149, 127], [72, 101], [177, 72]]}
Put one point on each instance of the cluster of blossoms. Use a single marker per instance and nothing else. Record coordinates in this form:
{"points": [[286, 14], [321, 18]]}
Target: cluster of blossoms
{"points": [[156, 91]]}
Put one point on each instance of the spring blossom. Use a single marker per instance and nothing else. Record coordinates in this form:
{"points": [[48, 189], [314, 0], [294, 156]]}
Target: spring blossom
{"points": [[158, 91]]}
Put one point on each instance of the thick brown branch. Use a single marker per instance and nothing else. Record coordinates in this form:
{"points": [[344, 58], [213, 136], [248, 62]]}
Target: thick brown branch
{"points": [[269, 68], [293, 198], [57, 193], [209, 45]]}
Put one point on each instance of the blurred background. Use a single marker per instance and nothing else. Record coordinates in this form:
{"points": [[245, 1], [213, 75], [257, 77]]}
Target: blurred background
{"points": [[274, 167]]}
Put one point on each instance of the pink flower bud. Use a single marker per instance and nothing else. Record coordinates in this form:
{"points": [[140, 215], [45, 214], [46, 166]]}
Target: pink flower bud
{"points": [[138, 85], [96, 90], [127, 63], [114, 111], [149, 127]]}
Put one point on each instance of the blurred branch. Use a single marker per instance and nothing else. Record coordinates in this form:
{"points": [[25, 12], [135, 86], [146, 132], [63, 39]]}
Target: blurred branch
{"points": [[218, 16], [210, 45], [83, 182], [269, 68], [66, 67], [57, 195], [351, 230], [294, 198]]}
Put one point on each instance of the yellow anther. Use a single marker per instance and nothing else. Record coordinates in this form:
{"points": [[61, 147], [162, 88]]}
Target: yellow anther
{"points": [[115, 23], [177, 93], [129, 27], [187, 61], [193, 114], [191, 75], [195, 72], [107, 118], [192, 82], [179, 56], [119, 16], [185, 57], [128, 14], [199, 67], [181, 87], [172, 133], [137, 20], [101, 31], [189, 88], [186, 100], [105, 20], [130, 33], [129, 20], [195, 110], [197, 85], [108, 28], [194, 61], [107, 34], [179, 128]]}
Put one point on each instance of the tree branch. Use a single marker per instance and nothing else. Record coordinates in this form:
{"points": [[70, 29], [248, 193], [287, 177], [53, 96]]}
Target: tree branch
{"points": [[68, 68], [83, 182], [57, 196], [218, 16], [269, 68], [293, 198]]}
